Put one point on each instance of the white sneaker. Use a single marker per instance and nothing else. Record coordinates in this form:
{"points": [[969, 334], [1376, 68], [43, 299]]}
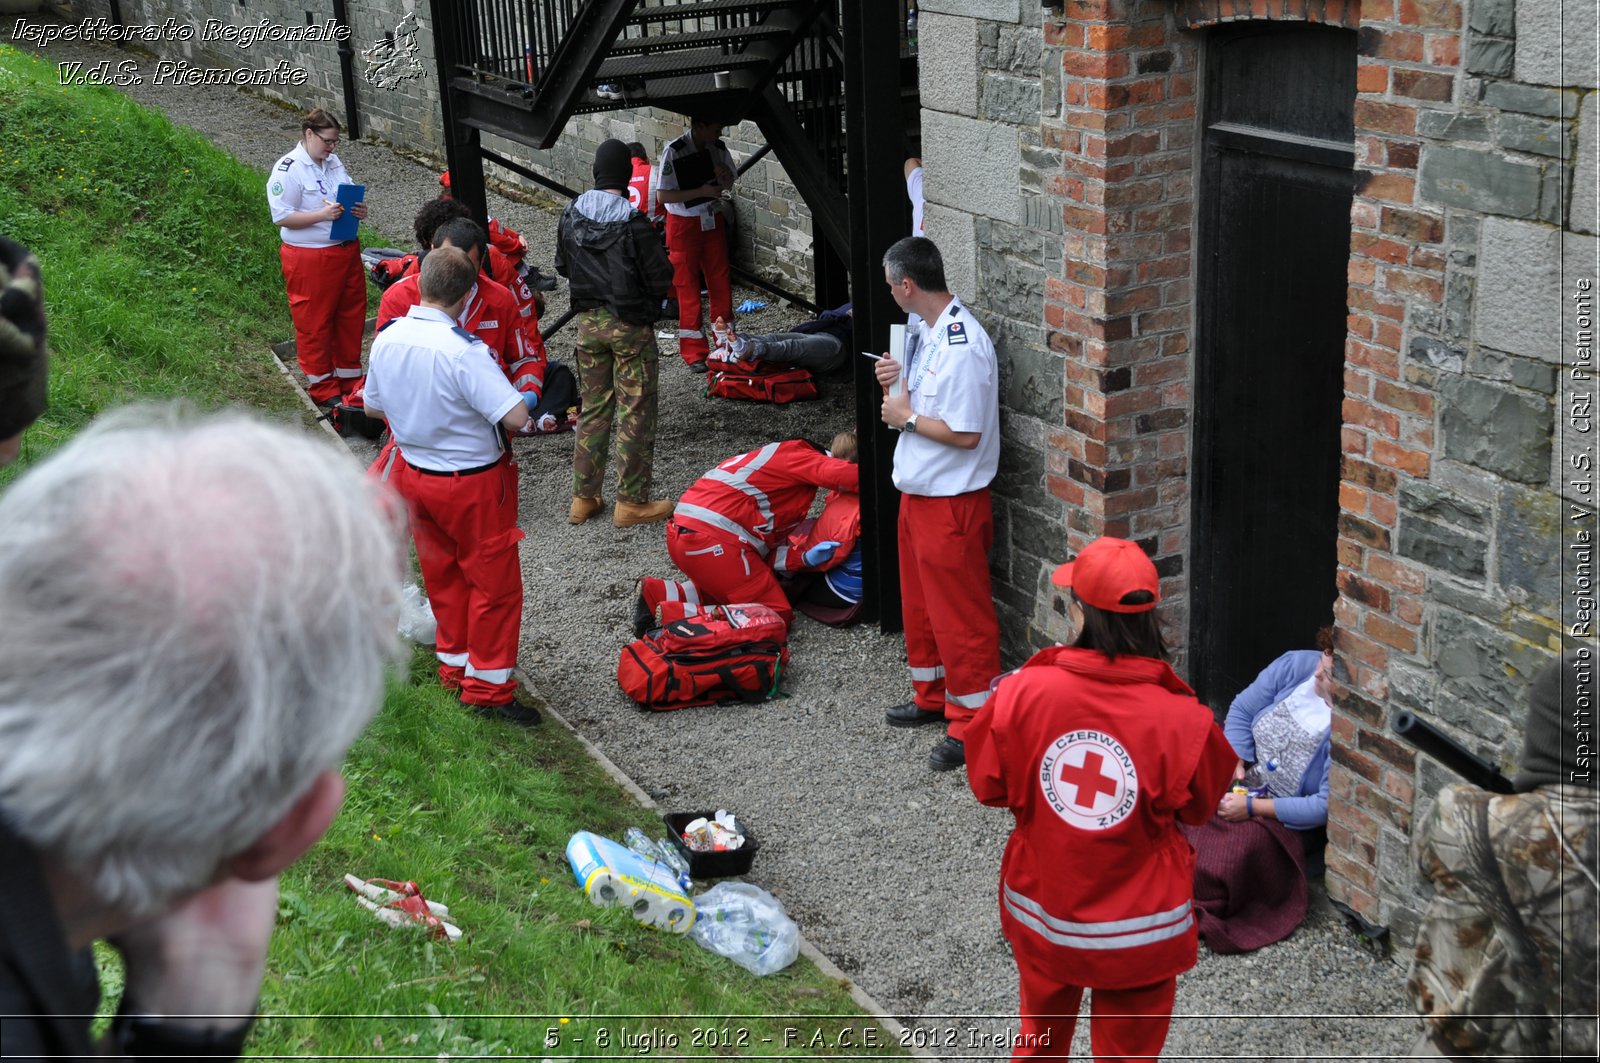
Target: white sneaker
{"points": [[610, 90], [739, 348]]}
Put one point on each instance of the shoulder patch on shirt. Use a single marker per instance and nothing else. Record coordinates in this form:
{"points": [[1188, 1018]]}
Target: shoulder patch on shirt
{"points": [[276, 188], [387, 323], [464, 334], [956, 333], [284, 163]]}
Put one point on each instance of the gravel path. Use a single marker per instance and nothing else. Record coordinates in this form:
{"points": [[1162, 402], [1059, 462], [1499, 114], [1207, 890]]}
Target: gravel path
{"points": [[888, 868]]}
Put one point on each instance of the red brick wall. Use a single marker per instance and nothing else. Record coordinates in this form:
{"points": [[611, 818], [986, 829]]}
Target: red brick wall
{"points": [[1118, 302], [1409, 51], [1197, 13]]}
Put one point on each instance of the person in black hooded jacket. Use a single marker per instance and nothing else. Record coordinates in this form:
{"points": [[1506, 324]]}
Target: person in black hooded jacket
{"points": [[618, 274]]}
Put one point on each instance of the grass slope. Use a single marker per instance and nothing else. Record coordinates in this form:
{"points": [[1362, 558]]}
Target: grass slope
{"points": [[162, 279], [160, 261]]}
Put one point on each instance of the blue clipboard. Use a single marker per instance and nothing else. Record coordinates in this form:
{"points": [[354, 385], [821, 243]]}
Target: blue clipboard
{"points": [[345, 226]]}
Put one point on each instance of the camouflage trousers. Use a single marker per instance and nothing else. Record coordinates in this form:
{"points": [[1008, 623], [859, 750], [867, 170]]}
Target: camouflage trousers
{"points": [[617, 376]]}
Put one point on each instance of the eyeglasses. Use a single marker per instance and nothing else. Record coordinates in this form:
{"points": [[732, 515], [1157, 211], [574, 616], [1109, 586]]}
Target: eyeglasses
{"points": [[329, 141]]}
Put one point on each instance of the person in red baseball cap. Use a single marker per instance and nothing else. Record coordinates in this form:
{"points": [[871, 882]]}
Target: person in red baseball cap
{"points": [[1099, 750]]}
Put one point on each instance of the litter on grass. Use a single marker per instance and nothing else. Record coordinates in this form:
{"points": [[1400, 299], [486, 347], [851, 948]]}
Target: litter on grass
{"points": [[416, 616], [614, 876], [748, 925], [402, 904]]}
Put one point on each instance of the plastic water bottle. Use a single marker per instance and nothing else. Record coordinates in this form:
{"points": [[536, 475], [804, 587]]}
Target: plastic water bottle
{"points": [[640, 843], [660, 852], [911, 30]]}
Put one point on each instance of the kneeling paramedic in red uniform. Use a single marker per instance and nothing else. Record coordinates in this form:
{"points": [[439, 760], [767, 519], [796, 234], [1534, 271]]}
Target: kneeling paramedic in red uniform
{"points": [[1099, 749], [448, 404], [491, 312], [726, 525]]}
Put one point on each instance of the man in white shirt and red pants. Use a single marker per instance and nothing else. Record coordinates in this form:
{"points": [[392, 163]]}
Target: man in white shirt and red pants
{"points": [[695, 170], [947, 454], [448, 403]]}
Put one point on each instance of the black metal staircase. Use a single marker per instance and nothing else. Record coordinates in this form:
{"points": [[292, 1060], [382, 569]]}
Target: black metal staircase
{"points": [[827, 82]]}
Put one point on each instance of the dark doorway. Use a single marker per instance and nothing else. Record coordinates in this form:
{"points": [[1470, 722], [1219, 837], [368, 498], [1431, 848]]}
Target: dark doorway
{"points": [[1274, 232]]}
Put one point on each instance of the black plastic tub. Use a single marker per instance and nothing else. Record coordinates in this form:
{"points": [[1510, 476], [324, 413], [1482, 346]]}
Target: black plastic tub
{"points": [[711, 865]]}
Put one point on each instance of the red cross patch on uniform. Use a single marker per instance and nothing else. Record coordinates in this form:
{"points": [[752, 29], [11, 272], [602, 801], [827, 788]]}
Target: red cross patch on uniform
{"points": [[1089, 780]]}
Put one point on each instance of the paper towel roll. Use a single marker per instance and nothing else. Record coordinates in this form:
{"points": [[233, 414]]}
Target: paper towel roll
{"points": [[613, 875]]}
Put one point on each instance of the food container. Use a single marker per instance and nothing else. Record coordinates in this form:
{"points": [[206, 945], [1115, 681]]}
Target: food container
{"points": [[725, 864]]}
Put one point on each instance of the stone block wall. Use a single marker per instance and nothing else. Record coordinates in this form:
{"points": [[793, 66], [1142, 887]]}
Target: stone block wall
{"points": [[774, 236], [1472, 226], [987, 84]]}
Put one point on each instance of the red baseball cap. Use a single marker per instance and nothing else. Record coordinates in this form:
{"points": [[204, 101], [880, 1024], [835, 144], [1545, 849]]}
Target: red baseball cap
{"points": [[1108, 570]]}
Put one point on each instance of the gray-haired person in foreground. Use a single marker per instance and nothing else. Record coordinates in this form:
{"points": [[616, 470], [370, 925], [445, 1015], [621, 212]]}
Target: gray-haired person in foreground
{"points": [[196, 619]]}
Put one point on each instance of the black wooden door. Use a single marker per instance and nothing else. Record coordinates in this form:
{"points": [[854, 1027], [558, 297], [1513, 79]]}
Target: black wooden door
{"points": [[1274, 239]]}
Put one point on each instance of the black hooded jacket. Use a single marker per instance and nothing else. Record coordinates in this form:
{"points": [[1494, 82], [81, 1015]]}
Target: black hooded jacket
{"points": [[612, 257]]}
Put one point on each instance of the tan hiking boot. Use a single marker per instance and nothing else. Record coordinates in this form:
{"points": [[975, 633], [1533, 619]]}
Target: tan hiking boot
{"points": [[627, 514], [584, 508]]}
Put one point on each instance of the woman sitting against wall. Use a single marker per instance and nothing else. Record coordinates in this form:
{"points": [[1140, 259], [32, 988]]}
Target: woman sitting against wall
{"points": [[1250, 881]]}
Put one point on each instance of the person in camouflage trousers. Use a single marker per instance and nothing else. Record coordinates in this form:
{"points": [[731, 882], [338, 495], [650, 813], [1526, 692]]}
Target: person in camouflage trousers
{"points": [[619, 275], [617, 364], [1505, 960]]}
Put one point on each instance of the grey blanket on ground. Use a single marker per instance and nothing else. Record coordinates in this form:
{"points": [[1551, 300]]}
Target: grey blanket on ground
{"points": [[1249, 882]]}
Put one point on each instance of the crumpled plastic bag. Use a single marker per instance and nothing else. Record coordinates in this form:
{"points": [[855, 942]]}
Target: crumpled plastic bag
{"points": [[416, 616], [748, 925]]}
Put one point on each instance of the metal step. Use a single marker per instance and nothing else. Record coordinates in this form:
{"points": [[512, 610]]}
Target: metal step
{"points": [[677, 89], [675, 64], [665, 42], [707, 8]]}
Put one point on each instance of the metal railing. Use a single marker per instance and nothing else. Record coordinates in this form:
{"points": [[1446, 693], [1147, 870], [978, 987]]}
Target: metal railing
{"points": [[513, 41]]}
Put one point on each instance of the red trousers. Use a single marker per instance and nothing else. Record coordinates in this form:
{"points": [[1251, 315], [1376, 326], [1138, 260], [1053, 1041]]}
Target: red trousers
{"points": [[328, 303], [695, 252], [1124, 1024], [466, 532], [722, 570], [952, 635]]}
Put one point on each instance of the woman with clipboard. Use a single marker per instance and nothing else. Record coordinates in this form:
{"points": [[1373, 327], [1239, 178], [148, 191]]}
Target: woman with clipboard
{"points": [[321, 258]]}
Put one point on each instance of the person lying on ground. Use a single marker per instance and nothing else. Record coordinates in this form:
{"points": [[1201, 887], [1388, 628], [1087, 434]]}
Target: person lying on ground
{"points": [[199, 619], [821, 345], [726, 526]]}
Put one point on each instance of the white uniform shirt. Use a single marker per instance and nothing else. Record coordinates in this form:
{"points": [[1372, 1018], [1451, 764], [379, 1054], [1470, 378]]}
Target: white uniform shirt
{"points": [[953, 377], [914, 193], [296, 183], [699, 165], [441, 389]]}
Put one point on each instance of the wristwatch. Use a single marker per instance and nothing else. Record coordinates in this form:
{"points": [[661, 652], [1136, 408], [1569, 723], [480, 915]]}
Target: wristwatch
{"points": [[910, 425]]}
